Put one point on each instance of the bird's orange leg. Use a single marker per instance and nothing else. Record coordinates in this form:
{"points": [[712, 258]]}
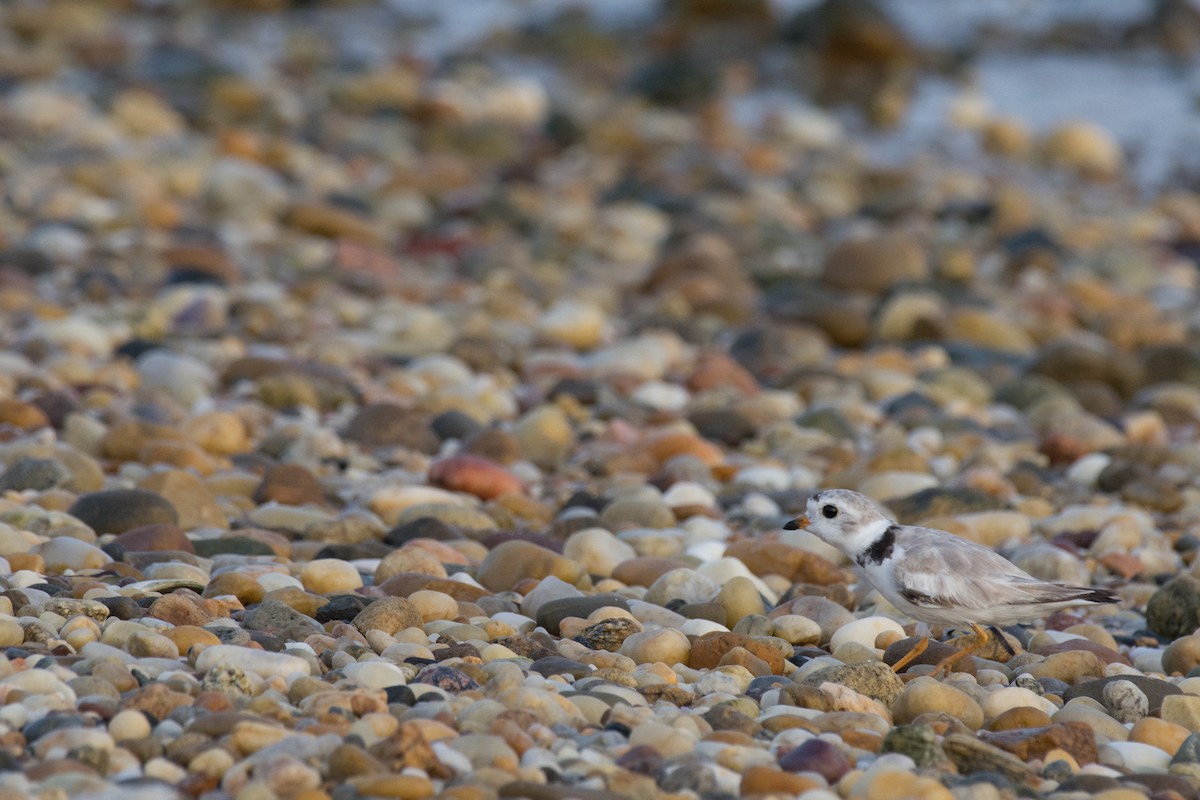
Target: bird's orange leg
{"points": [[916, 651], [981, 638]]}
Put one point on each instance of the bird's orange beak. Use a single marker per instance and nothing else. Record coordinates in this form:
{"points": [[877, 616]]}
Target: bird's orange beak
{"points": [[796, 524]]}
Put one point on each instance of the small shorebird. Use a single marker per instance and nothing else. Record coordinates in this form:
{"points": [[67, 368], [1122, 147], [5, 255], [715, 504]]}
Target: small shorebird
{"points": [[934, 576]]}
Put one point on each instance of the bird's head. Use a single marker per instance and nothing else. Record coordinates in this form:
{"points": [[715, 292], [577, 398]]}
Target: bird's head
{"points": [[847, 520]]}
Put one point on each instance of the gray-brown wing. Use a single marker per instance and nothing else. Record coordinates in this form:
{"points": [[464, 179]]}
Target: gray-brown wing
{"points": [[940, 570]]}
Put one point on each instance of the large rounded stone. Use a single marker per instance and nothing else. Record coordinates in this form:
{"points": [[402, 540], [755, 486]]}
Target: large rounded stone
{"points": [[926, 695], [120, 510], [515, 560], [388, 614], [1174, 610]]}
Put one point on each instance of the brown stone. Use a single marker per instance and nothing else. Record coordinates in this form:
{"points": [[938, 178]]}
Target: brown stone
{"points": [[405, 583], [1105, 654], [514, 560], [240, 585], [741, 657], [289, 484], [709, 649], [161, 536], [181, 607], [875, 263], [645, 570], [1020, 717], [157, 700], [1075, 738], [768, 556]]}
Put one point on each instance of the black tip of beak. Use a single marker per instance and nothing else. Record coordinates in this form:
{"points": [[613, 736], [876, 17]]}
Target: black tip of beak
{"points": [[794, 525]]}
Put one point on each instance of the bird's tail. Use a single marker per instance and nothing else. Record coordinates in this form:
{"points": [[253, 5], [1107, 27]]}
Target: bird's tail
{"points": [[1080, 594], [1097, 596]]}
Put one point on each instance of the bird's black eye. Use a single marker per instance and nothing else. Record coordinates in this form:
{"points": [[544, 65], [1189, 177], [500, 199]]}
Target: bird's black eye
{"points": [[829, 512]]}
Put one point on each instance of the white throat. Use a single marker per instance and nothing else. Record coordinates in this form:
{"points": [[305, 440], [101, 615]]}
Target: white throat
{"points": [[856, 543]]}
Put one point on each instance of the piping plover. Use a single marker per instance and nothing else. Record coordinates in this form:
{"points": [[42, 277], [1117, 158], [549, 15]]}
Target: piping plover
{"points": [[934, 576]]}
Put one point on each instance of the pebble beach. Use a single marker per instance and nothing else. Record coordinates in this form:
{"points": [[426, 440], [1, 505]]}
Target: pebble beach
{"points": [[387, 412]]}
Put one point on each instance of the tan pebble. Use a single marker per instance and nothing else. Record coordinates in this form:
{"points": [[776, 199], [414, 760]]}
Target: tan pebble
{"points": [[570, 627], [924, 695], [1166, 736], [186, 637], [401, 787], [740, 598], [1084, 147], [668, 740], [1182, 655], [215, 762], [434, 605], [496, 652], [545, 435], [1094, 633], [1070, 666], [1120, 794], [181, 455], [164, 770], [147, 644], [409, 559], [12, 634], [516, 560], [330, 575], [129, 724], [22, 415], [26, 561], [886, 639], [1183, 710], [1007, 136], [663, 645], [250, 737], [218, 432], [762, 780], [899, 786]]}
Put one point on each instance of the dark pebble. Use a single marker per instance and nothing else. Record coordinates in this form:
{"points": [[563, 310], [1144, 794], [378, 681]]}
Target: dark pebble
{"points": [[455, 424], [122, 607], [421, 528], [232, 545], [120, 510], [341, 607], [643, 759], [552, 613], [400, 695], [819, 756]]}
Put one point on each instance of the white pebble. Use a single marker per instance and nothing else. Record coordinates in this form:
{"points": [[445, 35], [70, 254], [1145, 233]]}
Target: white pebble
{"points": [[864, 631]]}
